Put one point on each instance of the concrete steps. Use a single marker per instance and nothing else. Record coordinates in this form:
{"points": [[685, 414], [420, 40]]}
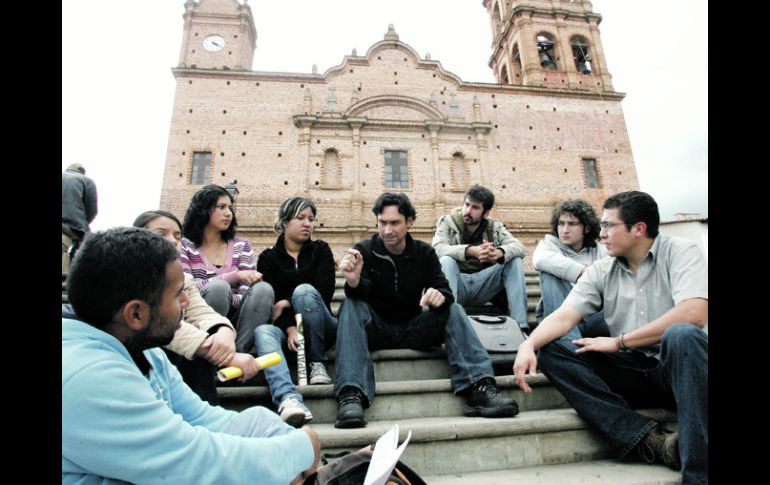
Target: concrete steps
{"points": [[399, 399], [591, 472], [546, 432], [547, 443], [459, 444]]}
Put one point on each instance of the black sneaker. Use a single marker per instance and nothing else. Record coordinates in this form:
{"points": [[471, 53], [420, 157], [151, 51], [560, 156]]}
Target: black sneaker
{"points": [[661, 445], [485, 399], [350, 412]]}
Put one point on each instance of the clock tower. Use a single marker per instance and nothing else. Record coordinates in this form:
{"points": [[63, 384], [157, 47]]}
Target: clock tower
{"points": [[218, 34]]}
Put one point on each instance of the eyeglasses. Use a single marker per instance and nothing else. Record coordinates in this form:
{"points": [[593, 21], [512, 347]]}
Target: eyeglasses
{"points": [[606, 226]]}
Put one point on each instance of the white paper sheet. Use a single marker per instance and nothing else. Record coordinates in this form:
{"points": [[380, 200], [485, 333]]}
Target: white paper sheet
{"points": [[385, 455]]}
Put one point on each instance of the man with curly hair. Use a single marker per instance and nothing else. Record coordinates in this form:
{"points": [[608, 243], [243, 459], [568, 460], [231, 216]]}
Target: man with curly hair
{"points": [[564, 255]]}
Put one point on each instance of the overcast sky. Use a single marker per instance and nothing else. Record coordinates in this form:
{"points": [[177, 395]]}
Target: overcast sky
{"points": [[118, 90]]}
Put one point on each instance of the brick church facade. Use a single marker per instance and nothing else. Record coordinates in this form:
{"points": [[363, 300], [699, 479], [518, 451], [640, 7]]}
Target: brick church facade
{"points": [[550, 128]]}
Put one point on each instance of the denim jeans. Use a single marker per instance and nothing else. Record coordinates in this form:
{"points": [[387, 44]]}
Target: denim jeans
{"points": [[269, 338], [604, 388], [256, 308], [319, 326], [554, 291], [361, 330], [478, 288]]}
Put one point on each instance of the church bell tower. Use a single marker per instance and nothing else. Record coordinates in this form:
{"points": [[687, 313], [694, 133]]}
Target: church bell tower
{"points": [[218, 34], [548, 43]]}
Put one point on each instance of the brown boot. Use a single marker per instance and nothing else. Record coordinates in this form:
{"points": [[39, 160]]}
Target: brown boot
{"points": [[661, 445]]}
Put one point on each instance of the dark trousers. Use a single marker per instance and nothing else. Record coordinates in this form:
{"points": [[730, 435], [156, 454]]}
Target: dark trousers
{"points": [[199, 374], [605, 388]]}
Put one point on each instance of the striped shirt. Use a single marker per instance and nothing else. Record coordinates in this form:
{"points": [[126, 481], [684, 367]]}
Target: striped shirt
{"points": [[239, 257]]}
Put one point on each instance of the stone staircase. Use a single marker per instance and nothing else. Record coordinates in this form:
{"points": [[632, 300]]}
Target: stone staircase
{"points": [[547, 443]]}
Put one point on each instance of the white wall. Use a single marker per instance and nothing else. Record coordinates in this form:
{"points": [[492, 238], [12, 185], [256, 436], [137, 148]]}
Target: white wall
{"points": [[696, 231]]}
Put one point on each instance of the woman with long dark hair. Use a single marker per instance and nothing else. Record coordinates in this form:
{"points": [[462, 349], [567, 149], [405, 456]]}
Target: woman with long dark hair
{"points": [[223, 264]]}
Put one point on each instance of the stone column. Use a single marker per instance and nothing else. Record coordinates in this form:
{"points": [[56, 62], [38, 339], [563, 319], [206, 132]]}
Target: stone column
{"points": [[482, 144], [434, 128]]}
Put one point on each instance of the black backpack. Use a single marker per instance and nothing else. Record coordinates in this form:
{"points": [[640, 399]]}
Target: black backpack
{"points": [[349, 468]]}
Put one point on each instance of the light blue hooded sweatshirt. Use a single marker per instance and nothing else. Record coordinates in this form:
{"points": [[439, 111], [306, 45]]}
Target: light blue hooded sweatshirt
{"points": [[119, 425]]}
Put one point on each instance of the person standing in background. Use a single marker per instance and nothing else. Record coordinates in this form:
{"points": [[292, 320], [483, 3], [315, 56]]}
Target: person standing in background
{"points": [[78, 210]]}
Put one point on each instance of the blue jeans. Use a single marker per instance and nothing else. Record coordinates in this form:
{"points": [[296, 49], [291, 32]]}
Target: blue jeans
{"points": [[269, 338], [478, 288], [361, 330], [320, 327], [554, 291], [604, 388]]}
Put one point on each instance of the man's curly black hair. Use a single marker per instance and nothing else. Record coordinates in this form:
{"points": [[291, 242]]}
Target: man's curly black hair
{"points": [[584, 212]]}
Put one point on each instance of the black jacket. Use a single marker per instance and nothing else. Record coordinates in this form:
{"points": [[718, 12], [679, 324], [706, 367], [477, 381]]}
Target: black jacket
{"points": [[393, 284], [315, 266]]}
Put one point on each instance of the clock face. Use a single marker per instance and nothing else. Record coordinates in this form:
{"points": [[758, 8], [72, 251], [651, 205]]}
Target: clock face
{"points": [[213, 43]]}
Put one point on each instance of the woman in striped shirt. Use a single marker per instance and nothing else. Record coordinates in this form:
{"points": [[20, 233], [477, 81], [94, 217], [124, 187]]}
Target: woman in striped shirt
{"points": [[224, 265]]}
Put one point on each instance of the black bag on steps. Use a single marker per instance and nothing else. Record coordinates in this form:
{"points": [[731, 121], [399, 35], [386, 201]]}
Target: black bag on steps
{"points": [[349, 468]]}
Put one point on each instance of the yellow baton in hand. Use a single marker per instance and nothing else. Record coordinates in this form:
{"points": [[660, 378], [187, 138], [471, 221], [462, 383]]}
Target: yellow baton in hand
{"points": [[266, 360]]}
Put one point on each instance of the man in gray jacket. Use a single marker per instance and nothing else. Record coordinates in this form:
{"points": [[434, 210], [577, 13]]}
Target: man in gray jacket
{"points": [[563, 256], [78, 210], [479, 257]]}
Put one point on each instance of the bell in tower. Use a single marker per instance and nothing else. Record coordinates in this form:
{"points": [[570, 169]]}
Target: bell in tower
{"points": [[548, 43]]}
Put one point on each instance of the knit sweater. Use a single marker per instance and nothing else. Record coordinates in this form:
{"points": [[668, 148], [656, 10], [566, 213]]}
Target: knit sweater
{"points": [[239, 257]]}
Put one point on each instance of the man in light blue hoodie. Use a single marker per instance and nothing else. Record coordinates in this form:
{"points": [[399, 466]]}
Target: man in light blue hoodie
{"points": [[127, 416]]}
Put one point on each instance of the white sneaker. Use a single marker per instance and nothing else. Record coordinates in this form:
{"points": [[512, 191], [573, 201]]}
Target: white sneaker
{"points": [[293, 412], [318, 374]]}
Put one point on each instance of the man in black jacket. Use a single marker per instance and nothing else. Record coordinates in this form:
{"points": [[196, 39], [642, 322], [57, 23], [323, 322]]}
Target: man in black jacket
{"points": [[389, 278]]}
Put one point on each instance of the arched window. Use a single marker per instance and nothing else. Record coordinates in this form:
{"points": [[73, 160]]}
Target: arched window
{"points": [[546, 49], [330, 175], [580, 52], [516, 59], [496, 19], [460, 172], [504, 78]]}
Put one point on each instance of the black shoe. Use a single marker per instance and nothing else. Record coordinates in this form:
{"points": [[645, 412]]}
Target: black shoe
{"points": [[661, 445], [350, 412], [485, 399]]}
